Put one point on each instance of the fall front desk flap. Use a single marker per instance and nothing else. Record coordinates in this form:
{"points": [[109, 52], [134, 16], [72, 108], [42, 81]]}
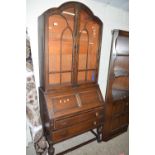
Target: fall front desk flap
{"points": [[71, 102]]}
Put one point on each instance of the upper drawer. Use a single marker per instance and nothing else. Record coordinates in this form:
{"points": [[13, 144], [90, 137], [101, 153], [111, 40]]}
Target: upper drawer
{"points": [[95, 114]]}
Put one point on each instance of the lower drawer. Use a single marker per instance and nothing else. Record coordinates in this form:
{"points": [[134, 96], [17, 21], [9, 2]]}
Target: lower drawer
{"points": [[69, 132]]}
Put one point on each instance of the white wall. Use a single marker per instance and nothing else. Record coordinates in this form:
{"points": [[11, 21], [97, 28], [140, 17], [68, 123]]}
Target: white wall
{"points": [[111, 17]]}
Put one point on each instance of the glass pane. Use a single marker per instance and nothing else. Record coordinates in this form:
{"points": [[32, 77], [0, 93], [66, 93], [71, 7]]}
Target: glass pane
{"points": [[93, 30], [81, 76], [83, 49], [54, 78], [66, 78], [56, 26], [54, 56], [83, 40], [67, 46], [91, 76], [84, 17], [69, 14]]}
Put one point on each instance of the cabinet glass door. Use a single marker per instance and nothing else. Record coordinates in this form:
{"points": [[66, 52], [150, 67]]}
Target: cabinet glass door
{"points": [[60, 46], [88, 48]]}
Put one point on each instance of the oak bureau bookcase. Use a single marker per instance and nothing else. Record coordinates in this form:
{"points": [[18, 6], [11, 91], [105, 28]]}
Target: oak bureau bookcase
{"points": [[70, 99]]}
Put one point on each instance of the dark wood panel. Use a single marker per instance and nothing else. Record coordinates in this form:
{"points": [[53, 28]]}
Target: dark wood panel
{"points": [[117, 108], [126, 106], [115, 124], [124, 120], [88, 97]]}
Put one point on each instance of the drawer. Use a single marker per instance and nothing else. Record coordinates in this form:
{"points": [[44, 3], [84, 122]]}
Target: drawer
{"points": [[74, 130], [62, 123]]}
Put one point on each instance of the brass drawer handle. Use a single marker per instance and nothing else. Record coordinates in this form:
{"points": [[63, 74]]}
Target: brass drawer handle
{"points": [[126, 103], [96, 113], [94, 123]]}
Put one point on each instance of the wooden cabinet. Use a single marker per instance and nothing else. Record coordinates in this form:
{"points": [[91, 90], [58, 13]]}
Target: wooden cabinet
{"points": [[71, 102], [117, 95]]}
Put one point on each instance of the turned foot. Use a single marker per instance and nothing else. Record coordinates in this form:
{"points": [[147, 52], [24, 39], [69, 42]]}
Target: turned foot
{"points": [[99, 134], [51, 149]]}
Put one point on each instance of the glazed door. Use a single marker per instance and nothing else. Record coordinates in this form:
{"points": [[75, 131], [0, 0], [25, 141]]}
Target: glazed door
{"points": [[88, 50], [73, 46], [60, 47]]}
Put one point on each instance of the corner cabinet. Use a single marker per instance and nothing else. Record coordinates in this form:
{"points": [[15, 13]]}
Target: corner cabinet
{"points": [[117, 94], [71, 102]]}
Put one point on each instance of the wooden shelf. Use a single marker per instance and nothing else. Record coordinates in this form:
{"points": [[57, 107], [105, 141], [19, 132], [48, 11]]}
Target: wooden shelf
{"points": [[122, 54], [119, 73]]}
